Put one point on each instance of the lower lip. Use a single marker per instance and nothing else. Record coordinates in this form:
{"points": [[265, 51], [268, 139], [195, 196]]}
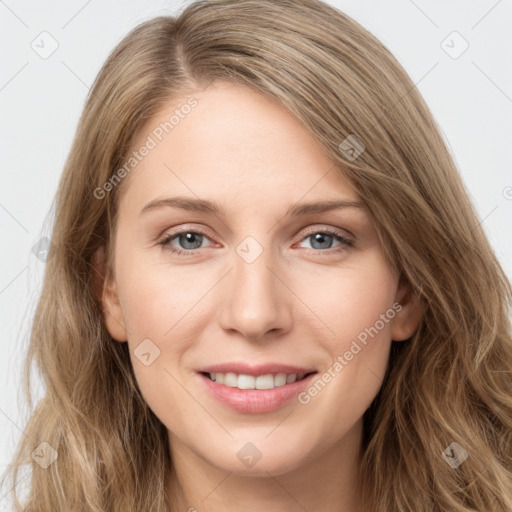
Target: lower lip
{"points": [[255, 401]]}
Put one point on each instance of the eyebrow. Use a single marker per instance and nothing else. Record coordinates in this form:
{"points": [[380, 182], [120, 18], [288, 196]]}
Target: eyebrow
{"points": [[204, 206]]}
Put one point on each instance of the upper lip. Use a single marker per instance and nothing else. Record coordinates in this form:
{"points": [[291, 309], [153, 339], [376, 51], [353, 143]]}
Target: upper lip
{"points": [[260, 369]]}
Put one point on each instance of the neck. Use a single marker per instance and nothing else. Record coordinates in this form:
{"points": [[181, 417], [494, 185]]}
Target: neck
{"points": [[324, 483]]}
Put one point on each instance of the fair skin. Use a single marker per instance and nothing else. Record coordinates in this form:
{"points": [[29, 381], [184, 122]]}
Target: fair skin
{"points": [[301, 302]]}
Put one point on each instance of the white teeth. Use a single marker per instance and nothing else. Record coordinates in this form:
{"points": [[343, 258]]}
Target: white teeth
{"points": [[291, 378], [267, 381], [280, 379], [246, 382], [264, 382], [231, 380]]}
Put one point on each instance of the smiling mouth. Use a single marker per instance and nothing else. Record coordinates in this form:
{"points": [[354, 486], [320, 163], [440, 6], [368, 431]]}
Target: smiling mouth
{"points": [[251, 382]]}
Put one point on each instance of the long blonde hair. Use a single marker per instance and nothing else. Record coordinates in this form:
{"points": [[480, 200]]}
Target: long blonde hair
{"points": [[450, 383]]}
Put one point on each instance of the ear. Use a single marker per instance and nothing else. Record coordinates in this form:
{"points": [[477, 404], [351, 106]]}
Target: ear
{"points": [[407, 319], [106, 293]]}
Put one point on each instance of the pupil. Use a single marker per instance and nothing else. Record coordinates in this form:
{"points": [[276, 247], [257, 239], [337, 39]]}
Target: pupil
{"points": [[321, 238], [190, 238]]}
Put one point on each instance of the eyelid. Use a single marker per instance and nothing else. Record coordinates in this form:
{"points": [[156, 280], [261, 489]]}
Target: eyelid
{"points": [[319, 228], [185, 228], [345, 242]]}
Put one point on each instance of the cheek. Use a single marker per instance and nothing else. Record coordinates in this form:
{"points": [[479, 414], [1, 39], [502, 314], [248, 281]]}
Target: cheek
{"points": [[163, 309], [350, 300], [354, 364], [156, 298], [156, 313], [356, 310]]}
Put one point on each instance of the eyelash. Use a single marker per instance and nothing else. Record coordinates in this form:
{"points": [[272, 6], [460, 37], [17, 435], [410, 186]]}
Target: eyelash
{"points": [[165, 242]]}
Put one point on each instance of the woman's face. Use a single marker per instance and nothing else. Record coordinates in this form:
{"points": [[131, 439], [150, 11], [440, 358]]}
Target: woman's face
{"points": [[262, 290]]}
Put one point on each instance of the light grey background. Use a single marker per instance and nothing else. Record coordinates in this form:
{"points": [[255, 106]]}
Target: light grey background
{"points": [[41, 100]]}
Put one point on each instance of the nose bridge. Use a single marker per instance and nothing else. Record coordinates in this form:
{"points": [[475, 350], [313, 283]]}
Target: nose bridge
{"points": [[256, 304]]}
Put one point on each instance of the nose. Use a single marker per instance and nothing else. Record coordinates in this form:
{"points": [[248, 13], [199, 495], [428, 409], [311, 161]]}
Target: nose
{"points": [[256, 303]]}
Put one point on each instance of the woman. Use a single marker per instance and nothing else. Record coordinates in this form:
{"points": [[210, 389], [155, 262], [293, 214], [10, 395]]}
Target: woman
{"points": [[248, 369]]}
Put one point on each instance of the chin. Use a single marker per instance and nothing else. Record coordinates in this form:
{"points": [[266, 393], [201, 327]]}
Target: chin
{"points": [[257, 458]]}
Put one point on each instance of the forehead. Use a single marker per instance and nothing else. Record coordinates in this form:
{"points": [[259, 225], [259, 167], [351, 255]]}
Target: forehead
{"points": [[231, 142]]}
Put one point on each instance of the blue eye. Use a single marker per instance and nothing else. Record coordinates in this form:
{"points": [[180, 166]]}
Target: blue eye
{"points": [[188, 238], [326, 237], [190, 241]]}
